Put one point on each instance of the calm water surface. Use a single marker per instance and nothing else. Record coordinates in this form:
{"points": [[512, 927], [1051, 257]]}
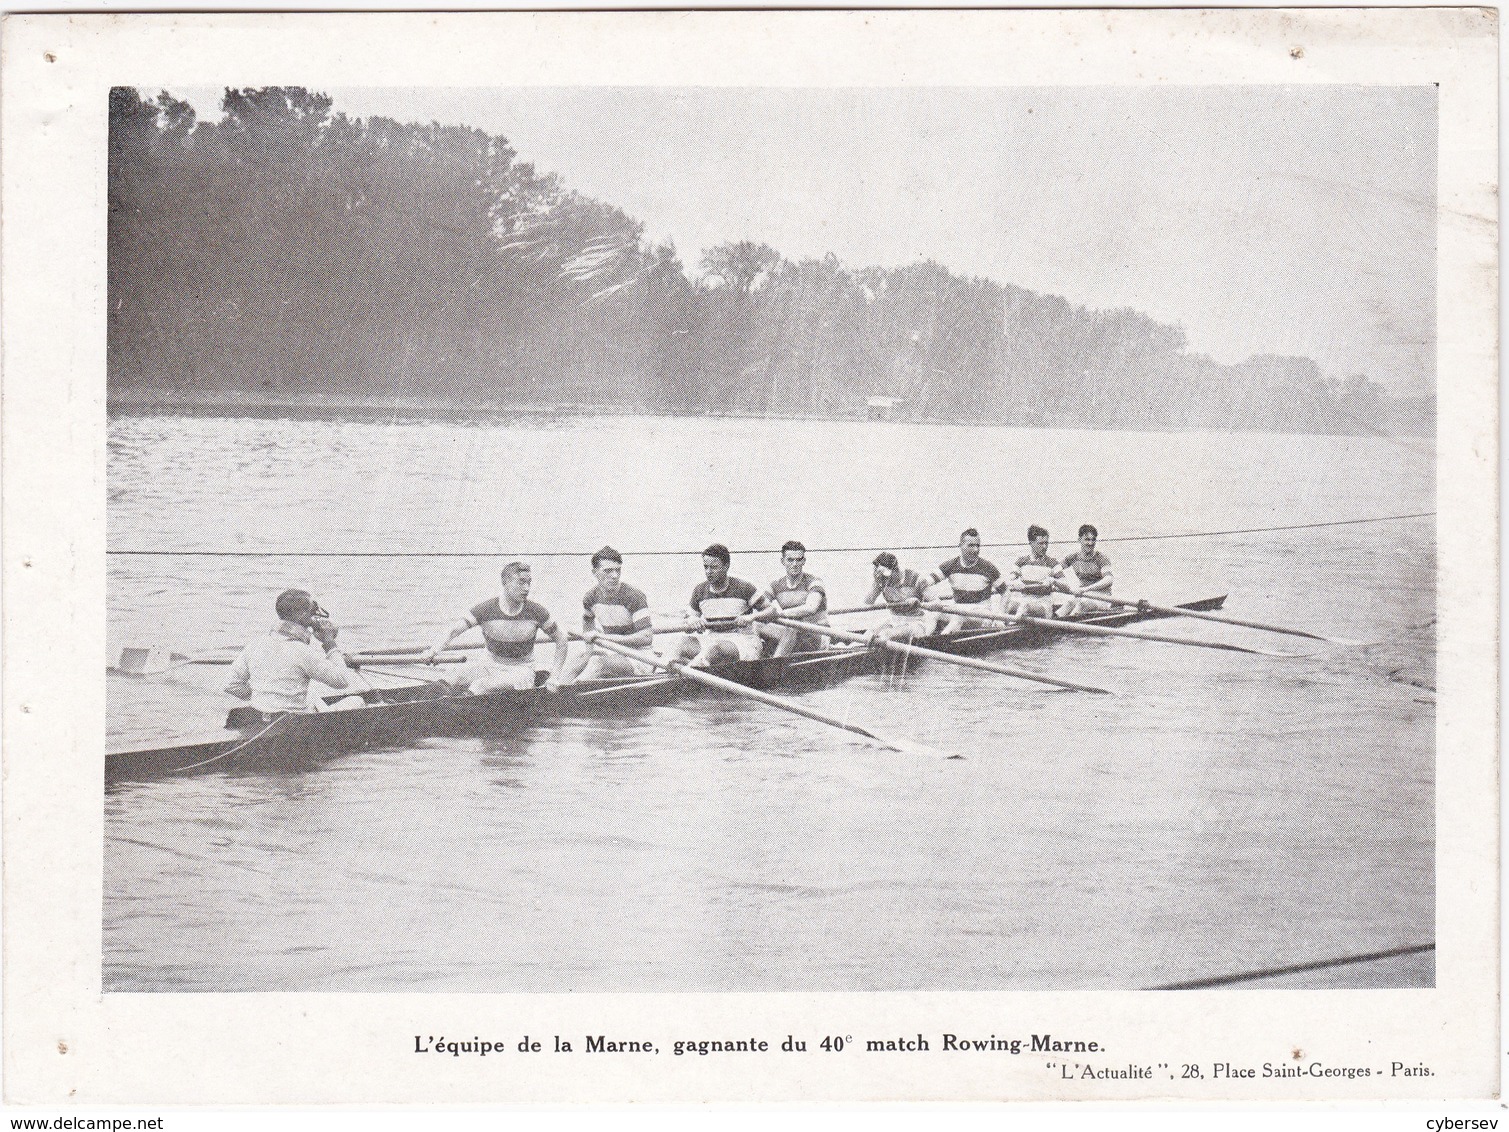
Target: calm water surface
{"points": [[1225, 813]]}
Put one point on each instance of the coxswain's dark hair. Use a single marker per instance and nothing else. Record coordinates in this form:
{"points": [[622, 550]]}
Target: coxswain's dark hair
{"points": [[792, 544], [295, 604], [1088, 529], [1036, 531], [514, 569], [969, 532], [888, 560], [606, 554], [718, 551]]}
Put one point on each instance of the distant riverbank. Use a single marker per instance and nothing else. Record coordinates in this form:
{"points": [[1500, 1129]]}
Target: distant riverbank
{"points": [[316, 406]]}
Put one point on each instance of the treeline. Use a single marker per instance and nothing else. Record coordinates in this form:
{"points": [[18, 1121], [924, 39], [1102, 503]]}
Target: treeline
{"points": [[288, 252]]}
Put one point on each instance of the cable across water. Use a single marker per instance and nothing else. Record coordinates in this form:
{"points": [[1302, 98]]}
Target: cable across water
{"points": [[135, 553]]}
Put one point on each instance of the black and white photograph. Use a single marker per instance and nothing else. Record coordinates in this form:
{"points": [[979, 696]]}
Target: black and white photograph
{"points": [[855, 539]]}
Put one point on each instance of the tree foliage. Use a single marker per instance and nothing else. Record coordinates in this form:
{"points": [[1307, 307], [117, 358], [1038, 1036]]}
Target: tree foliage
{"points": [[288, 251]]}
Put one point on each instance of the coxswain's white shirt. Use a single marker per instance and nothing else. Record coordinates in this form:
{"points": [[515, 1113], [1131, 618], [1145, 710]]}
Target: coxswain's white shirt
{"points": [[274, 671]]}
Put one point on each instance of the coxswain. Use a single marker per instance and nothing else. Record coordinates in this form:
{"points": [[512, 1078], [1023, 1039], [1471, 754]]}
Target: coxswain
{"points": [[801, 597], [721, 615], [1088, 572], [615, 610], [274, 672], [900, 590], [509, 625], [1029, 586], [971, 579]]}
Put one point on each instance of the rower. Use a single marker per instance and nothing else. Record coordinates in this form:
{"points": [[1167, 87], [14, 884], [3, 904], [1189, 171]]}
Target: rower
{"points": [[721, 615], [973, 582], [901, 590], [798, 595], [1090, 574], [616, 610], [1029, 586], [274, 672], [509, 624]]}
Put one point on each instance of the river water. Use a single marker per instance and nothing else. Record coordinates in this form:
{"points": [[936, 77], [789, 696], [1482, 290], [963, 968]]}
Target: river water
{"points": [[1225, 813]]}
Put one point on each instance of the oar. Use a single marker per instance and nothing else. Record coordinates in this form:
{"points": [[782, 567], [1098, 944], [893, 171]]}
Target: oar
{"points": [[858, 609], [415, 650], [687, 672], [1176, 611], [136, 661], [933, 654], [1102, 631]]}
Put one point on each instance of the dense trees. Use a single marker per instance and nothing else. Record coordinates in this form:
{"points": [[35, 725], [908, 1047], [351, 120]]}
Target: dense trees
{"points": [[288, 251]]}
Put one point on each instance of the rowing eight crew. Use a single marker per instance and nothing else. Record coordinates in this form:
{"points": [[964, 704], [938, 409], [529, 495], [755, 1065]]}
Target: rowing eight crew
{"points": [[727, 618]]}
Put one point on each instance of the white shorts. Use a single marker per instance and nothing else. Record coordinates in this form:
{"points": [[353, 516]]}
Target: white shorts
{"points": [[900, 625], [619, 663], [957, 612], [1031, 605], [493, 677], [749, 643], [1086, 604]]}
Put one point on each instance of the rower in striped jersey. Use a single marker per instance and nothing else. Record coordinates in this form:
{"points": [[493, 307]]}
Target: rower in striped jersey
{"points": [[1089, 574], [1029, 586], [901, 590], [798, 595], [972, 580], [509, 622], [721, 615], [616, 610]]}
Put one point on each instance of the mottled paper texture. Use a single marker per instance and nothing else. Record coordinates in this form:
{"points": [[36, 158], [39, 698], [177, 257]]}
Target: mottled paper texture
{"points": [[68, 1041]]}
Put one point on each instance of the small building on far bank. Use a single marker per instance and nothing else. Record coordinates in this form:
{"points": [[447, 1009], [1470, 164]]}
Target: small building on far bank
{"points": [[879, 408]]}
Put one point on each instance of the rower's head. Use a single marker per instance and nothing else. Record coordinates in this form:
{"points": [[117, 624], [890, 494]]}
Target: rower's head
{"points": [[969, 545], [298, 607], [1037, 538], [715, 561], [608, 568], [516, 581], [793, 558], [1088, 536], [886, 566]]}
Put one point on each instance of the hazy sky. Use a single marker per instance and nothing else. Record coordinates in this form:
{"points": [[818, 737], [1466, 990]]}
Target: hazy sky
{"points": [[1289, 220]]}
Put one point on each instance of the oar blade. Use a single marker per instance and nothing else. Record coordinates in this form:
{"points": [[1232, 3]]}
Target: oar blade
{"points": [[141, 661], [154, 660], [912, 747]]}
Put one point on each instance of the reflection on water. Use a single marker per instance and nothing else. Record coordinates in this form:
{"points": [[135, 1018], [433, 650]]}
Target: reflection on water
{"points": [[1223, 813]]}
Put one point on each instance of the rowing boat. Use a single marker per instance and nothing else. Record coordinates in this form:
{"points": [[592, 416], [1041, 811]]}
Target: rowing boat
{"points": [[390, 717], [395, 717]]}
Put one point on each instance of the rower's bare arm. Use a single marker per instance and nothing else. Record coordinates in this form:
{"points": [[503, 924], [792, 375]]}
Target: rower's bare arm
{"points": [[764, 609], [239, 684], [456, 630], [873, 598], [562, 643]]}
